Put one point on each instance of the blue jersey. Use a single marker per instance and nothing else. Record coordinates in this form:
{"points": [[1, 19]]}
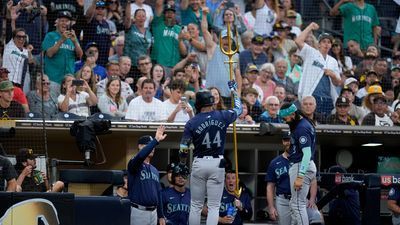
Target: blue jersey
{"points": [[207, 131], [176, 206], [143, 179], [278, 173], [303, 136], [228, 200], [394, 194]]}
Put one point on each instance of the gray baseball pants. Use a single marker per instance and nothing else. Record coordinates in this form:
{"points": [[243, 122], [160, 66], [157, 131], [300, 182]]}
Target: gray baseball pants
{"points": [[206, 179], [298, 202], [283, 208], [142, 217]]}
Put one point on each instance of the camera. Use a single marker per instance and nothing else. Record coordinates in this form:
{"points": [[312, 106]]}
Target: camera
{"points": [[77, 83]]}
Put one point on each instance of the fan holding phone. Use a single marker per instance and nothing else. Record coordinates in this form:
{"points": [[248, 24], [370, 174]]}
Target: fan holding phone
{"points": [[76, 96]]}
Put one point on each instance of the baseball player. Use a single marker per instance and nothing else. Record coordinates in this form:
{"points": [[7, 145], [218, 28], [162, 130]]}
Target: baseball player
{"points": [[144, 189], [302, 171], [207, 131], [394, 204], [278, 185], [242, 203], [176, 199]]}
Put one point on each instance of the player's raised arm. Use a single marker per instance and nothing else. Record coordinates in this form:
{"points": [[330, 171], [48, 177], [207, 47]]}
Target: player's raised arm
{"points": [[237, 103], [303, 35]]}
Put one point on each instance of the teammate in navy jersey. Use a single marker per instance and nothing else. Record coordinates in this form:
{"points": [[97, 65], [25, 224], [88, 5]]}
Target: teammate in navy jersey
{"points": [[207, 131], [394, 204], [144, 189], [229, 199], [278, 184], [176, 199], [302, 171]]}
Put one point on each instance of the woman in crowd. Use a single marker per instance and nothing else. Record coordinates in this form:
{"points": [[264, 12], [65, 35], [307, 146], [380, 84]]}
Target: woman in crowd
{"points": [[158, 75], [86, 73], [232, 16], [73, 101], [337, 52], [115, 14], [44, 94], [218, 102], [112, 103]]}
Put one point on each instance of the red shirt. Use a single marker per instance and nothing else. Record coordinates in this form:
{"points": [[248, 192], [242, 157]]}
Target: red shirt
{"points": [[19, 96]]}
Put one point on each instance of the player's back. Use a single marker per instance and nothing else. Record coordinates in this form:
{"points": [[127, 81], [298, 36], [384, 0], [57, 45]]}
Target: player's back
{"points": [[303, 136], [208, 131]]}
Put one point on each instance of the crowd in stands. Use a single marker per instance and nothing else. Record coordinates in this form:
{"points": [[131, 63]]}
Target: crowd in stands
{"points": [[143, 60]]}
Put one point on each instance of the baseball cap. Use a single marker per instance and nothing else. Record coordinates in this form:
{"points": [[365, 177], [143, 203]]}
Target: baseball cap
{"points": [[64, 14], [325, 36], [346, 88], [4, 70], [258, 39], [342, 101], [291, 14], [371, 72], [24, 154], [6, 85], [350, 80], [169, 7], [100, 4], [375, 89], [395, 67], [379, 97], [91, 44], [144, 140], [286, 135], [251, 68]]}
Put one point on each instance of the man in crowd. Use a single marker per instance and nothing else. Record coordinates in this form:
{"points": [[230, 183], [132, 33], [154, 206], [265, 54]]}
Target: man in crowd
{"points": [[176, 107], [360, 20], [8, 107], [91, 58], [19, 95], [165, 32], [254, 55], [30, 179], [61, 48], [280, 78], [144, 187], [146, 107], [98, 30], [320, 70], [342, 115]]}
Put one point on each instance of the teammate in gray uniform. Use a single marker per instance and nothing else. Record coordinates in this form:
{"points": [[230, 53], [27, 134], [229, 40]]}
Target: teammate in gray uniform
{"points": [[207, 131], [302, 169]]}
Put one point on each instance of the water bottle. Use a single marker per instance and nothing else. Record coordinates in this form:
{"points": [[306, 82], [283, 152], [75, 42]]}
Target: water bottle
{"points": [[231, 211]]}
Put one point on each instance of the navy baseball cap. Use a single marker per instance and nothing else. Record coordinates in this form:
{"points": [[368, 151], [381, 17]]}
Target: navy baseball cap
{"points": [[325, 36], [100, 4], [169, 7], [64, 14], [286, 135], [144, 140], [91, 44]]}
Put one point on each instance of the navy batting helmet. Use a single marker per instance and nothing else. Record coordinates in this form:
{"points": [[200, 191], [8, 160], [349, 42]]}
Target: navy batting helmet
{"points": [[203, 98], [179, 170]]}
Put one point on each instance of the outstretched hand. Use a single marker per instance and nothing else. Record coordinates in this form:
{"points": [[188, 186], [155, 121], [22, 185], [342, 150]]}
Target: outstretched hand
{"points": [[160, 133]]}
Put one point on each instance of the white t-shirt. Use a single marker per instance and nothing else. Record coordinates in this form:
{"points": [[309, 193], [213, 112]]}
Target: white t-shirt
{"points": [[139, 110], [181, 117], [13, 60], [147, 8], [79, 106], [265, 20], [384, 121]]}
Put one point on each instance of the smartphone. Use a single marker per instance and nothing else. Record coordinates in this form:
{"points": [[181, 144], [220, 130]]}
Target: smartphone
{"points": [[77, 83], [90, 53], [184, 28], [229, 4], [183, 99]]}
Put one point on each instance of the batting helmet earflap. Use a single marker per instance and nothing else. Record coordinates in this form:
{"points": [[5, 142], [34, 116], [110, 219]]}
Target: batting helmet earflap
{"points": [[203, 98]]}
